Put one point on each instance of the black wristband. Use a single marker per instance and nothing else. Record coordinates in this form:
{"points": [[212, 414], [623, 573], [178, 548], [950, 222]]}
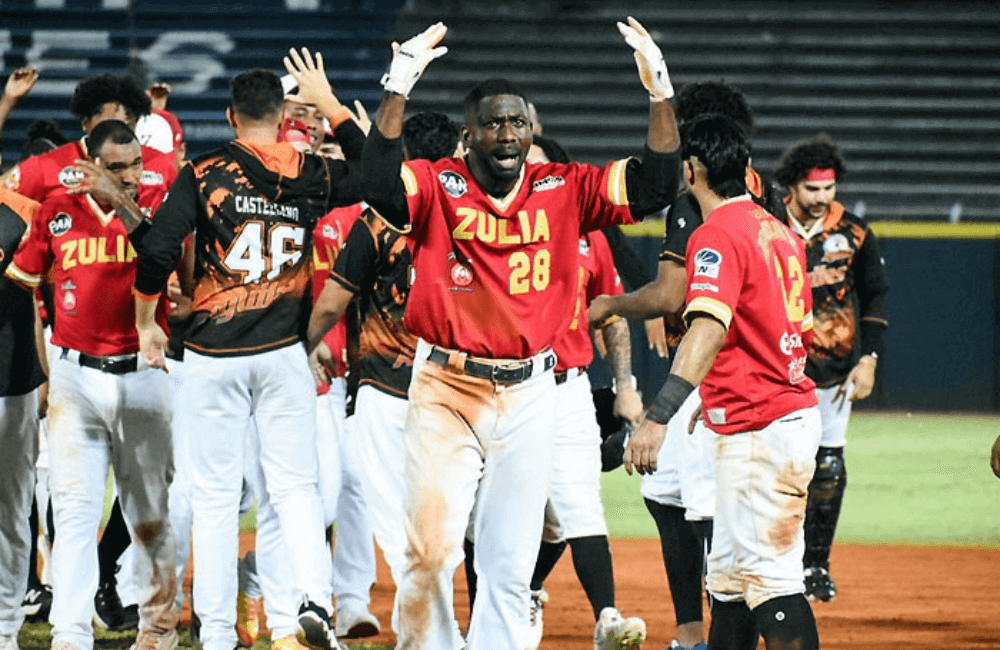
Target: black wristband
{"points": [[872, 337], [675, 390]]}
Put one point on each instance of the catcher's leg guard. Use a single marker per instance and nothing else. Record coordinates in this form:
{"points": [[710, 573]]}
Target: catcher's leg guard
{"points": [[826, 494]]}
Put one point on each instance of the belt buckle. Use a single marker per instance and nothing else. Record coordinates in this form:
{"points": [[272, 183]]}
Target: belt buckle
{"points": [[505, 374]]}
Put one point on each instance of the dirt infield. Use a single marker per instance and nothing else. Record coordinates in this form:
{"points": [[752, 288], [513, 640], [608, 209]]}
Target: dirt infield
{"points": [[891, 598]]}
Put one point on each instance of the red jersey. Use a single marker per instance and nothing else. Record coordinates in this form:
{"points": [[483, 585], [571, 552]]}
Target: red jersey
{"points": [[94, 268], [746, 269], [497, 278], [328, 238], [597, 276], [46, 175]]}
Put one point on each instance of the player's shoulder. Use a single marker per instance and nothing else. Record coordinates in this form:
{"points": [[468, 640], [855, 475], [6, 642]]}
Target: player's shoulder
{"points": [[851, 218], [200, 164]]}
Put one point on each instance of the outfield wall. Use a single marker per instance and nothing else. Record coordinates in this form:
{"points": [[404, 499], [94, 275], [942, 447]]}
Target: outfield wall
{"points": [[942, 349]]}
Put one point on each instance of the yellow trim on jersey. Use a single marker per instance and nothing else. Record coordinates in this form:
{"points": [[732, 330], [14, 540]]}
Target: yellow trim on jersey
{"points": [[646, 228], [617, 191], [712, 307], [22, 278], [105, 217], [807, 322], [409, 180]]}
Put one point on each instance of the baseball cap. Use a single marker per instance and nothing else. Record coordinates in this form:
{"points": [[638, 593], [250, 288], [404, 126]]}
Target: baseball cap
{"points": [[154, 131], [175, 125]]}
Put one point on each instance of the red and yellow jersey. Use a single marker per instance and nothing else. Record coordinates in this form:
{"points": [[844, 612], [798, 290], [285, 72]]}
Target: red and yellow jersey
{"points": [[47, 175], [497, 278], [596, 276], [328, 240], [93, 264], [747, 270]]}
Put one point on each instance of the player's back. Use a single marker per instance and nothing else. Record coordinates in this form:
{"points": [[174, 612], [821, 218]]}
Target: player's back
{"points": [[747, 269], [253, 246]]}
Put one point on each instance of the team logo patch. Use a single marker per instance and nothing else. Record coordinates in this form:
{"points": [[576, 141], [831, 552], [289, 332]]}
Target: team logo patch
{"points": [[454, 184], [69, 302], [548, 183], [150, 178], [789, 342], [584, 247], [70, 177], [328, 231], [704, 286], [461, 275], [836, 247], [68, 286], [707, 262], [61, 224]]}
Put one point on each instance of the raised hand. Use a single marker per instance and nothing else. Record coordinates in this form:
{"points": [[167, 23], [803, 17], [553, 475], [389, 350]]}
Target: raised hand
{"points": [[649, 59], [19, 83], [310, 75], [410, 59]]}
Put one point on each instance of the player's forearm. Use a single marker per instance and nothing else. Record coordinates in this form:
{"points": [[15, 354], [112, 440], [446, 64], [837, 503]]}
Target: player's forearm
{"points": [[618, 343], [698, 349], [389, 116], [381, 185], [652, 182], [145, 311], [664, 295], [330, 307], [6, 108], [662, 136]]}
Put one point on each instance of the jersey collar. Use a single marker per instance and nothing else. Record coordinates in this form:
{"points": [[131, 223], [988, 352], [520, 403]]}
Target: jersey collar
{"points": [[105, 217], [505, 203]]}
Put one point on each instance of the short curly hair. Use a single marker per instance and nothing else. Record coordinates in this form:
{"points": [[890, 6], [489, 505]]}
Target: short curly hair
{"points": [[713, 97], [93, 93], [820, 151], [430, 135]]}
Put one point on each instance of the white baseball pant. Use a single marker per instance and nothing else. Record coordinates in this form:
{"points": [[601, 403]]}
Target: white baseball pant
{"points": [[575, 489], [834, 412], [762, 480], [684, 475], [274, 392], [381, 449], [19, 441], [97, 420], [354, 550], [470, 440], [179, 496]]}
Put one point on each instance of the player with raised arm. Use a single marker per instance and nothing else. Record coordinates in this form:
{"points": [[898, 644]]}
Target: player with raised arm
{"points": [[850, 290], [106, 407], [252, 205], [749, 314], [496, 257]]}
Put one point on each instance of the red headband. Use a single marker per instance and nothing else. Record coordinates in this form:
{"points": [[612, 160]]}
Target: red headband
{"points": [[817, 175]]}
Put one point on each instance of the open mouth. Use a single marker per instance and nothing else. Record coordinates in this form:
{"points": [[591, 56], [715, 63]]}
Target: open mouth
{"points": [[507, 160]]}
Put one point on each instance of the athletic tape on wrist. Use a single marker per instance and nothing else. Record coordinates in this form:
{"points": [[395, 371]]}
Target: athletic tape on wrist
{"points": [[667, 402]]}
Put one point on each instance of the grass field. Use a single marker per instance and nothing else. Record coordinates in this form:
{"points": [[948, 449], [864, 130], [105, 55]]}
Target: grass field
{"points": [[913, 479]]}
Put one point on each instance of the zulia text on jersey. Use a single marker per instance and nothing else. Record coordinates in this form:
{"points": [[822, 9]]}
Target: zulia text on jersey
{"points": [[525, 229], [262, 207]]}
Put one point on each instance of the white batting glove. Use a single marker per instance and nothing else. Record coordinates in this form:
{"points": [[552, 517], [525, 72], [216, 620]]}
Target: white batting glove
{"points": [[649, 59], [410, 59]]}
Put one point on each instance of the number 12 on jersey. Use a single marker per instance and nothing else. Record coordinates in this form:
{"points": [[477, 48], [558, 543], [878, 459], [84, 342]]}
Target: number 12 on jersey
{"points": [[252, 256]]}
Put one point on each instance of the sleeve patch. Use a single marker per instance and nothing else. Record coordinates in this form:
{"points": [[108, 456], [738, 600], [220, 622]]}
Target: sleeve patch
{"points": [[707, 262]]}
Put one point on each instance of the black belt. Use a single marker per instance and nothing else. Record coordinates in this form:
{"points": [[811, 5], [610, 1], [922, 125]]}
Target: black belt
{"points": [[113, 366], [563, 375], [501, 373]]}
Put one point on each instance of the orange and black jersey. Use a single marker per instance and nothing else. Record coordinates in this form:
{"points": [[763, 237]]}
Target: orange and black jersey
{"points": [[253, 210], [850, 289], [375, 264]]}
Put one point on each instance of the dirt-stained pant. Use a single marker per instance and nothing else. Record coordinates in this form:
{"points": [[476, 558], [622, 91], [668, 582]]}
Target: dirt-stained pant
{"points": [[473, 441], [97, 420], [762, 479]]}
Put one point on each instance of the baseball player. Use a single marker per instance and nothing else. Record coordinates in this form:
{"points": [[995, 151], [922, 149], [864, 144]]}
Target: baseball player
{"points": [[107, 96], [354, 554], [21, 373], [106, 407], [496, 257], [850, 293], [749, 314], [252, 205], [375, 269], [680, 495]]}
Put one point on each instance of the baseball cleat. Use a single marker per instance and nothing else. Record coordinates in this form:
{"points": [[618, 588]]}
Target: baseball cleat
{"points": [[37, 603], [613, 632], [109, 613], [290, 642], [354, 621], [536, 624], [820, 585], [150, 640], [315, 629], [249, 612]]}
